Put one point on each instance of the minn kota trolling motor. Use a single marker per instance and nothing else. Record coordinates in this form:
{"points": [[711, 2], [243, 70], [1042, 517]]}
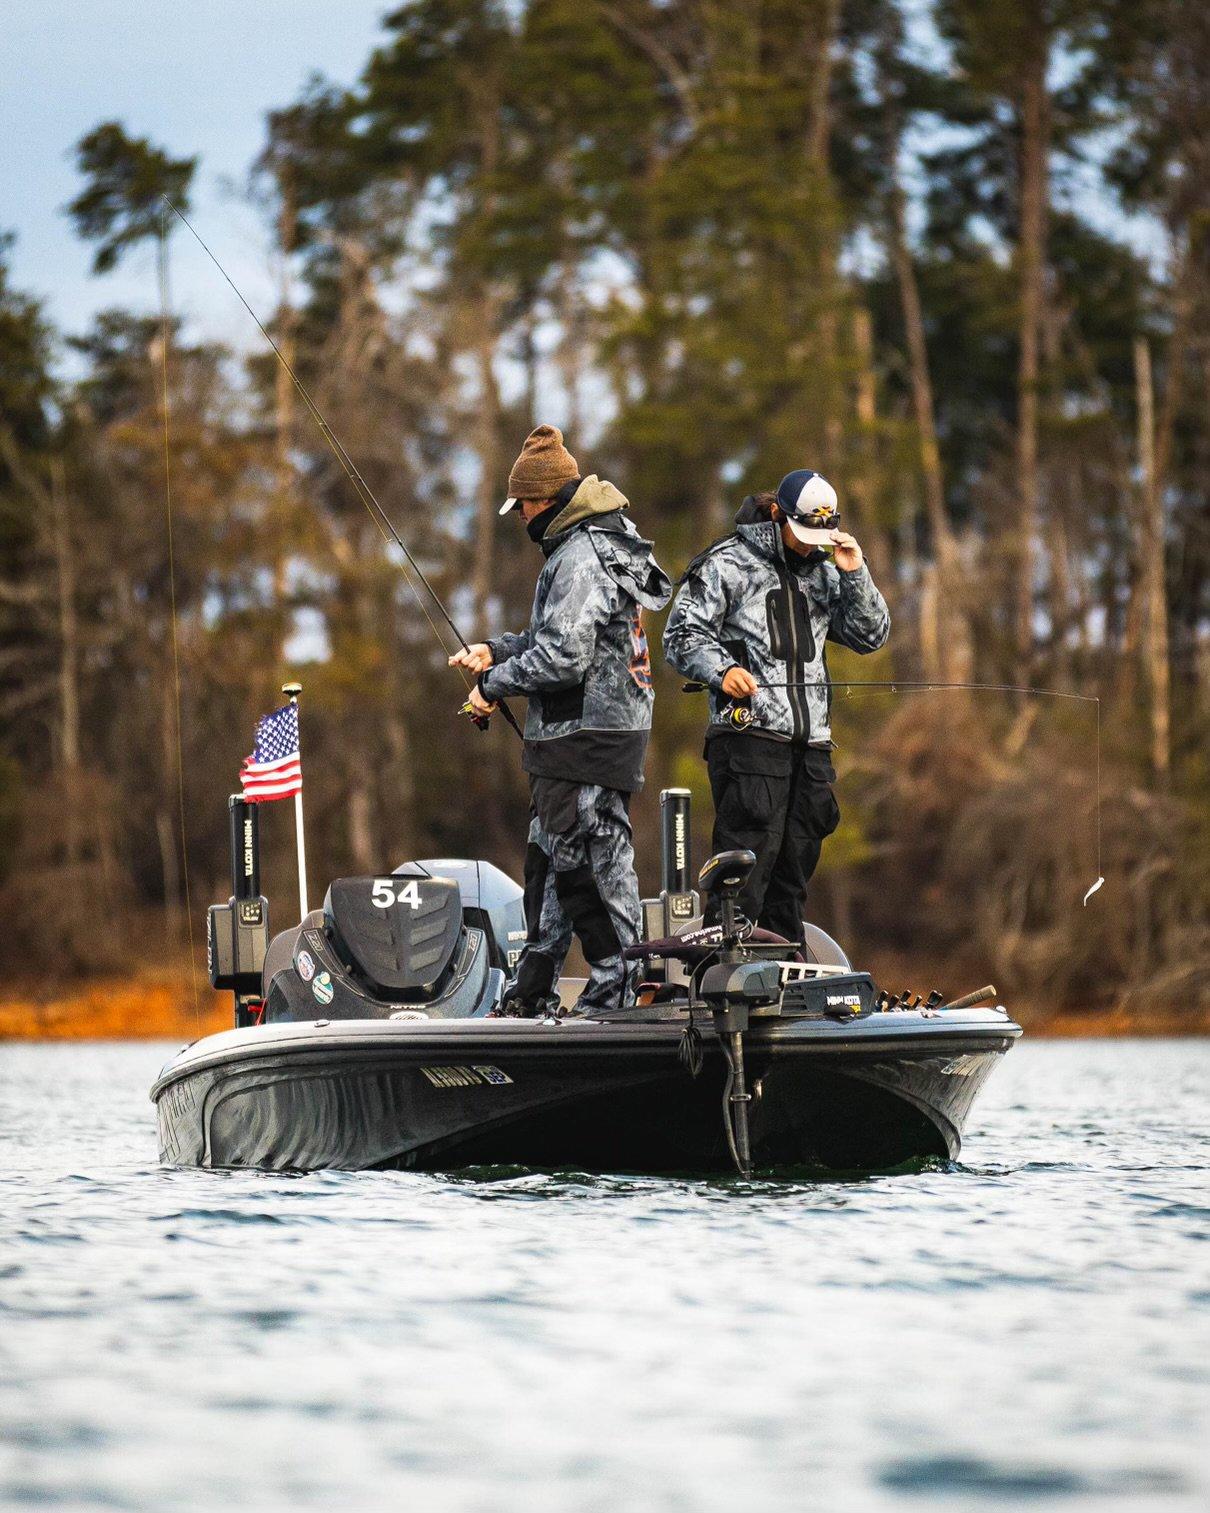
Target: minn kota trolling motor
{"points": [[734, 988]]}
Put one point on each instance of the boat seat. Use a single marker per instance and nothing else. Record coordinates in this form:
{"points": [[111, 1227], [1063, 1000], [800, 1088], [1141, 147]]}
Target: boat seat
{"points": [[281, 948]]}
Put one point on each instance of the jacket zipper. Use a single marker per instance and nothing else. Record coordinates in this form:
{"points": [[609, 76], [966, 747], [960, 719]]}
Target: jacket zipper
{"points": [[800, 711], [795, 673]]}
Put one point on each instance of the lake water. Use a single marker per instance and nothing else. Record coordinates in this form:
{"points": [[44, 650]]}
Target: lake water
{"points": [[1031, 1326]]}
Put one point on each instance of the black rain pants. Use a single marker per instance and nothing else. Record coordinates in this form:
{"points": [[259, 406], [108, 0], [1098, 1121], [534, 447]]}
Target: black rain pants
{"points": [[774, 798]]}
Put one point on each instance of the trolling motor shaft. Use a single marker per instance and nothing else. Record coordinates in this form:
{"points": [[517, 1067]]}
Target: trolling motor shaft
{"points": [[738, 1097]]}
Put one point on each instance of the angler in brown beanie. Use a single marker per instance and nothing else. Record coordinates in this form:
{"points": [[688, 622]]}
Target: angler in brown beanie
{"points": [[542, 469], [583, 665]]}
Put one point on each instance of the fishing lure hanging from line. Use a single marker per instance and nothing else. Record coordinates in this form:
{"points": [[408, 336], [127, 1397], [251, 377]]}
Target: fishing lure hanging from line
{"points": [[367, 496]]}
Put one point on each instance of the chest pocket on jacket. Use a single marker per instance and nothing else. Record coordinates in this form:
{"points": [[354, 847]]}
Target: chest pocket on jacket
{"points": [[780, 604]]}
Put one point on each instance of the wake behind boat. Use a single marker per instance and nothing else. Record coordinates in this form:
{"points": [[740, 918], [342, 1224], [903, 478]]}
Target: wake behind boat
{"points": [[368, 1037]]}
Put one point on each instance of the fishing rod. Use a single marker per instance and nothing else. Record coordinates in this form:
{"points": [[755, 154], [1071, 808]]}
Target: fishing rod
{"points": [[363, 490], [740, 716]]}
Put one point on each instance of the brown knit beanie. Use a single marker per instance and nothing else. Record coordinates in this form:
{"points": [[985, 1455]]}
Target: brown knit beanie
{"points": [[543, 467]]}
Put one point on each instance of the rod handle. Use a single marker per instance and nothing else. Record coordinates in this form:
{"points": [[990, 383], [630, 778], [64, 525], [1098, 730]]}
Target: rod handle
{"points": [[980, 995]]}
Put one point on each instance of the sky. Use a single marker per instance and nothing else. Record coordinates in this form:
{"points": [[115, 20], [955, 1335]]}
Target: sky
{"points": [[197, 77]]}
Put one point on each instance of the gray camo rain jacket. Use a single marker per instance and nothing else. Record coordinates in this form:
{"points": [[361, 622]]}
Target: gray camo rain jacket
{"points": [[741, 602], [583, 663]]}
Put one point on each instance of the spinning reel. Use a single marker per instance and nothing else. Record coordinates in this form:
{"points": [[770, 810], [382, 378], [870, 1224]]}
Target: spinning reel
{"points": [[479, 721]]}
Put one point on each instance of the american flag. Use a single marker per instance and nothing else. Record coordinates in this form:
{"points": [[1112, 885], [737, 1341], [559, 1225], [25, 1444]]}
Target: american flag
{"points": [[274, 770]]}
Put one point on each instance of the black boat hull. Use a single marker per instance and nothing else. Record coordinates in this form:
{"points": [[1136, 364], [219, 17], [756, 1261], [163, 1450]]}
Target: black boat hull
{"points": [[864, 1096]]}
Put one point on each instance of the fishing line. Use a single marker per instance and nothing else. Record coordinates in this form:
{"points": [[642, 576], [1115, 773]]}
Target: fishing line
{"points": [[896, 685], [364, 492], [162, 280]]}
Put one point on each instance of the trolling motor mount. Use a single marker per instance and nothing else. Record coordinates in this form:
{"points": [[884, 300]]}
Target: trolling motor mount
{"points": [[733, 987]]}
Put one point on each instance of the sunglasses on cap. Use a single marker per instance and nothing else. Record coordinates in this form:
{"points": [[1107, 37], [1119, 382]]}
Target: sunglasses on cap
{"points": [[809, 506]]}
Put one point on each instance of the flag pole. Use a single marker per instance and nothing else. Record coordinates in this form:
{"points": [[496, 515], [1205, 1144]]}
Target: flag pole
{"points": [[292, 691]]}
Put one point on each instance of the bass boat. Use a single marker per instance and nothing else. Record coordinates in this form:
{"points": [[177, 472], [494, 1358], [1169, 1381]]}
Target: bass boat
{"points": [[371, 1036]]}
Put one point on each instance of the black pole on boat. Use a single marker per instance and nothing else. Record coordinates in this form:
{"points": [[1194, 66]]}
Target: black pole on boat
{"points": [[678, 901], [732, 1021], [244, 820], [675, 857], [237, 932]]}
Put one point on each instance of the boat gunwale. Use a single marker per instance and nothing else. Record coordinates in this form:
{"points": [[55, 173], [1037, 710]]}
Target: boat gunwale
{"points": [[357, 1040]]}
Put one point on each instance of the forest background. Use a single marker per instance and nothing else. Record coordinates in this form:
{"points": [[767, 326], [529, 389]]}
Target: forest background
{"points": [[955, 254]]}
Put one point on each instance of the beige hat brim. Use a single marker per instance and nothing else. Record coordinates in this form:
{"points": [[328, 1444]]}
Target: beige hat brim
{"points": [[509, 504], [811, 535]]}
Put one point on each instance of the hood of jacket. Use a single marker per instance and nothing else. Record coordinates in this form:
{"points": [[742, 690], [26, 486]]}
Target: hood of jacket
{"points": [[626, 556], [595, 496]]}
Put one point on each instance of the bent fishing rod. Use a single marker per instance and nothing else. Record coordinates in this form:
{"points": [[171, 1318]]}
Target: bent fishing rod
{"points": [[739, 715], [363, 490]]}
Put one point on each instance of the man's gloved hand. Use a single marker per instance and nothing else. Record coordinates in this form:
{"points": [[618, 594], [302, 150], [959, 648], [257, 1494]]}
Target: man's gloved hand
{"points": [[476, 658], [739, 683]]}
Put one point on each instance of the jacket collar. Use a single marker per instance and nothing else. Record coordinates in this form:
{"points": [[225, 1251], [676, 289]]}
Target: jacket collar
{"points": [[764, 538]]}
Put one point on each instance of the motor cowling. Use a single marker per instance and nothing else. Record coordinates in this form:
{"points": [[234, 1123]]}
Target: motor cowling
{"points": [[397, 935], [491, 901]]}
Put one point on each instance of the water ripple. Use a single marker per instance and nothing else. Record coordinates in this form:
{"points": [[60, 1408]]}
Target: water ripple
{"points": [[1029, 1325]]}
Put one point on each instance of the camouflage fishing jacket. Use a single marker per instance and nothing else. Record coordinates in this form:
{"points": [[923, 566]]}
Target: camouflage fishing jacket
{"points": [[583, 663], [742, 604]]}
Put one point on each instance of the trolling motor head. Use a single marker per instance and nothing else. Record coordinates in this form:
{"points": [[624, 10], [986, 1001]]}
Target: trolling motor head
{"points": [[723, 877]]}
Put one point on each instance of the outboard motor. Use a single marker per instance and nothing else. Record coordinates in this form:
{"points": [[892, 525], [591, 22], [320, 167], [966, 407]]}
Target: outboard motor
{"points": [[419, 943]]}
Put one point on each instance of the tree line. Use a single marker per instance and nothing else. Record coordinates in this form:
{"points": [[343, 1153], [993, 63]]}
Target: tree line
{"points": [[955, 257]]}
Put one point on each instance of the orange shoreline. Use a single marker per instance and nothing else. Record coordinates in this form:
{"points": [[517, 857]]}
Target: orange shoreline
{"points": [[151, 1009], [163, 1008]]}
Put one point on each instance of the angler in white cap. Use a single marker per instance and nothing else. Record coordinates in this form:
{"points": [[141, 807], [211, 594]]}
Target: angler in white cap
{"points": [[750, 621]]}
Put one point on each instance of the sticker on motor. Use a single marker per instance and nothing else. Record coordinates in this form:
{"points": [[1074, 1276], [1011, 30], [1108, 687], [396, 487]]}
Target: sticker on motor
{"points": [[322, 988]]}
